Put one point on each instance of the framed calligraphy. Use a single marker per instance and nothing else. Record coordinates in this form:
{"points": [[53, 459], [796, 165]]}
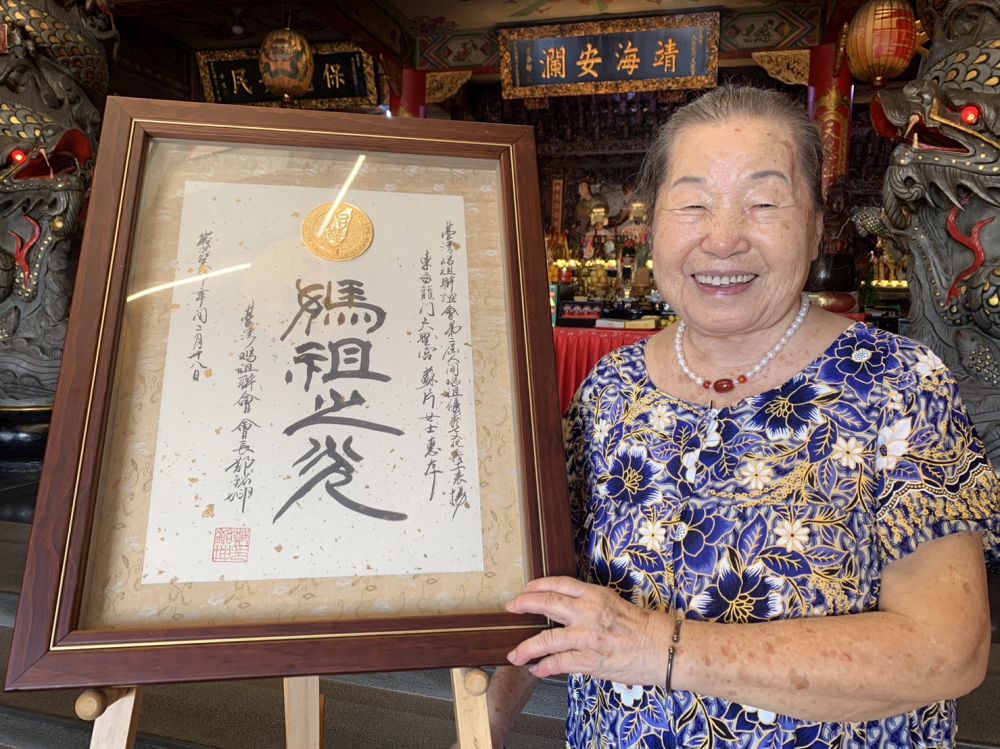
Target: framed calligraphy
{"points": [[307, 420], [679, 51]]}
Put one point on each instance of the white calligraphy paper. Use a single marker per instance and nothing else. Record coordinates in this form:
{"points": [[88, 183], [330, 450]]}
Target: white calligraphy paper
{"points": [[317, 417]]}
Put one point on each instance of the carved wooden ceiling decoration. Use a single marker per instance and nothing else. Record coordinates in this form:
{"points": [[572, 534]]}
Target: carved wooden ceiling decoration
{"points": [[454, 34]]}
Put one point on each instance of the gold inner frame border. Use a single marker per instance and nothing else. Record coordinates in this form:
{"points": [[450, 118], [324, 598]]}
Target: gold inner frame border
{"points": [[53, 644]]}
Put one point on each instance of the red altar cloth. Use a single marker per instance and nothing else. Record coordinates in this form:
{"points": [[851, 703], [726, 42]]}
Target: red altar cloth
{"points": [[579, 349]]}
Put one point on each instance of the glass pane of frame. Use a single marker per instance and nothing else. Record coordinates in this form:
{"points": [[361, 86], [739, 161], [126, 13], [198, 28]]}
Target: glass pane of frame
{"points": [[308, 421]]}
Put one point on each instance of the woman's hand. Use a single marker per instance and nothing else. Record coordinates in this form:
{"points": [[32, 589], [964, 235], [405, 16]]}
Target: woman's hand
{"points": [[603, 635]]}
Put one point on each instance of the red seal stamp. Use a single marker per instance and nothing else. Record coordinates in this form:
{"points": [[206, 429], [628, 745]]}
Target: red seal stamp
{"points": [[231, 545]]}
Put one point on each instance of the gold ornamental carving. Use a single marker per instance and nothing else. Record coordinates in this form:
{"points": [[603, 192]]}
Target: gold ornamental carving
{"points": [[787, 66], [444, 85], [831, 100]]}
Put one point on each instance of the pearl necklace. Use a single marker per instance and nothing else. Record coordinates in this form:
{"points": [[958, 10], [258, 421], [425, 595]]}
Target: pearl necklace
{"points": [[725, 385]]}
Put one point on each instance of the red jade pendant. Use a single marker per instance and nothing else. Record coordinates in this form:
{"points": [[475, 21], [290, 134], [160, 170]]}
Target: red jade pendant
{"points": [[725, 385]]}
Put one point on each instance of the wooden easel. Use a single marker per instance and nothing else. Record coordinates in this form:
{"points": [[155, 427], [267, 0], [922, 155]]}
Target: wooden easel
{"points": [[115, 712]]}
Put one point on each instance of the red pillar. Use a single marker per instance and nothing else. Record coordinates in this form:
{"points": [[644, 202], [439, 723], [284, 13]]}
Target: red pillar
{"points": [[412, 100], [831, 90]]}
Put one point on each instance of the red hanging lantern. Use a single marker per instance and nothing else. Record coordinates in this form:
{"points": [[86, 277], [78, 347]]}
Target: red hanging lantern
{"points": [[881, 40], [286, 64]]}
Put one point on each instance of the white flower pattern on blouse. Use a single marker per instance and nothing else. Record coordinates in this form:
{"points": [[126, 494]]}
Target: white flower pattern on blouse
{"points": [[848, 452], [792, 535], [891, 445]]}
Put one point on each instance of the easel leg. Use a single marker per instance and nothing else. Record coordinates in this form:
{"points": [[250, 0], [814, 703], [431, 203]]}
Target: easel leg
{"points": [[471, 718], [303, 713], [115, 712]]}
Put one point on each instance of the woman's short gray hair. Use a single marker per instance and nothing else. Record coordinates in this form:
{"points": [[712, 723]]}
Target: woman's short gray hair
{"points": [[725, 104]]}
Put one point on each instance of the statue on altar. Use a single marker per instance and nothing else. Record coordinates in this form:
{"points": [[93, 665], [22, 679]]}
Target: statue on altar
{"points": [[941, 201], [619, 201], [586, 203], [635, 230], [598, 241]]}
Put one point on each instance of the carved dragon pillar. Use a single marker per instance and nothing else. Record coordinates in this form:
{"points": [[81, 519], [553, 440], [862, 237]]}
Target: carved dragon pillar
{"points": [[53, 79], [941, 198]]}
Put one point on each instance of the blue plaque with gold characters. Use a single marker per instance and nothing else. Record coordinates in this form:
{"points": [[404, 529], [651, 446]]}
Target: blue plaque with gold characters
{"points": [[636, 54]]}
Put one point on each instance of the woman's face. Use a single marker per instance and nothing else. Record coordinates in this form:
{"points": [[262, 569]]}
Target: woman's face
{"points": [[735, 228]]}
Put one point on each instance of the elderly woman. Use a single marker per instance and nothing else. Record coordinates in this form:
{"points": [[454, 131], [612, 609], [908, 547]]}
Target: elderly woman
{"points": [[780, 514]]}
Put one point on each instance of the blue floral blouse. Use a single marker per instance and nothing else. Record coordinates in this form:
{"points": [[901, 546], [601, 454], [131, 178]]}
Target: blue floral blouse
{"points": [[787, 504]]}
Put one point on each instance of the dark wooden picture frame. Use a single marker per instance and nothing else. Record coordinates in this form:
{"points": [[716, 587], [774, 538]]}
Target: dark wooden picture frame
{"points": [[50, 648]]}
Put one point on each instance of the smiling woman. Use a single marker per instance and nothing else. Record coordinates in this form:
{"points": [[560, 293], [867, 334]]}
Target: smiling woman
{"points": [[806, 497], [742, 227]]}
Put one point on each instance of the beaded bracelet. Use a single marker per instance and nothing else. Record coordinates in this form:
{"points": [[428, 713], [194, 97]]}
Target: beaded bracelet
{"points": [[672, 650]]}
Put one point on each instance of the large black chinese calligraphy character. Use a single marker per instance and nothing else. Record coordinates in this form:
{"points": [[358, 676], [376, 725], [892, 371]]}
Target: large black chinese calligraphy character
{"points": [[315, 300], [340, 466], [348, 358], [330, 462]]}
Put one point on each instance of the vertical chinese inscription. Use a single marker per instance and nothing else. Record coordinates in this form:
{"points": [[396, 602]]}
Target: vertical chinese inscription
{"points": [[453, 369], [200, 315], [246, 384], [427, 340], [697, 40], [345, 357]]}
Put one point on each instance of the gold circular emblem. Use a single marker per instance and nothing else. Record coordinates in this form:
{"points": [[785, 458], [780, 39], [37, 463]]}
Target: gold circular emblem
{"points": [[348, 233]]}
